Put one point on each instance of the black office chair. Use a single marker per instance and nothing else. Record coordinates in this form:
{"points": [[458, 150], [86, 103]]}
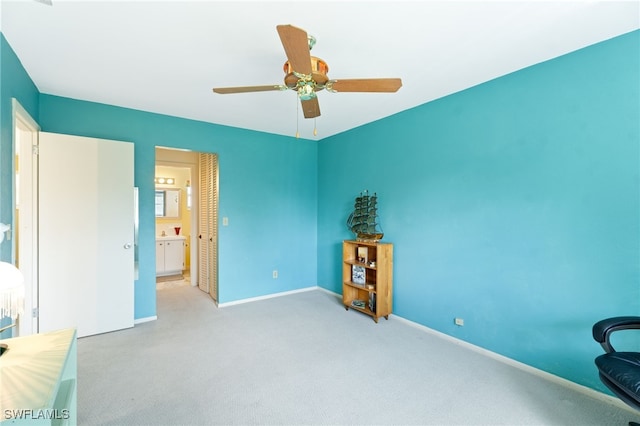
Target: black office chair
{"points": [[619, 371]]}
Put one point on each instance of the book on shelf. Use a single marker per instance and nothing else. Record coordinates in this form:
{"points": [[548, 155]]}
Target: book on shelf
{"points": [[358, 274], [363, 255], [358, 303]]}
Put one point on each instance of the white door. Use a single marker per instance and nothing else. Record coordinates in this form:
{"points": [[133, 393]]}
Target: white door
{"points": [[208, 225], [86, 227], [213, 234], [204, 222]]}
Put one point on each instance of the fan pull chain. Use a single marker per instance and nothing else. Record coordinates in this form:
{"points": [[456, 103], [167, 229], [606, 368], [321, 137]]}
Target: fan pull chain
{"points": [[315, 129], [297, 118]]}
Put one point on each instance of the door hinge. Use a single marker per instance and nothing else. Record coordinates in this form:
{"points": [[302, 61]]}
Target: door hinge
{"points": [[35, 149], [35, 313]]}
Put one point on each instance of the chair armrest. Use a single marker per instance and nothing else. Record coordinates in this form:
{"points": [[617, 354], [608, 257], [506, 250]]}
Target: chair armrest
{"points": [[602, 329]]}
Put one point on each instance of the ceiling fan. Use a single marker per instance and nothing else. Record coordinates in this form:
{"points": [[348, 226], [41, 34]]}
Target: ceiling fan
{"points": [[307, 74]]}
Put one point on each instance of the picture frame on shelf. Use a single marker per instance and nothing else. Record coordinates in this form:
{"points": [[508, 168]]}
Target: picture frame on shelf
{"points": [[358, 274]]}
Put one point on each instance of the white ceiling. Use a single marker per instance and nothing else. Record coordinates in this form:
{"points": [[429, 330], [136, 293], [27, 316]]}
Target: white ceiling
{"points": [[166, 56]]}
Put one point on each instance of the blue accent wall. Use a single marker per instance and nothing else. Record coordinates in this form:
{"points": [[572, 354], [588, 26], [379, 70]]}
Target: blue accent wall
{"points": [[514, 205], [14, 83], [267, 189]]}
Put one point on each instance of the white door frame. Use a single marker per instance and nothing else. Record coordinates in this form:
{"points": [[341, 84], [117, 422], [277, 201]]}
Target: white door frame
{"points": [[194, 213], [25, 244]]}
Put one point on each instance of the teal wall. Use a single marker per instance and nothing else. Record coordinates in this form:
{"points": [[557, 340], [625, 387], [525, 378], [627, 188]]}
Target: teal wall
{"points": [[267, 189], [514, 205], [14, 83], [267, 184]]}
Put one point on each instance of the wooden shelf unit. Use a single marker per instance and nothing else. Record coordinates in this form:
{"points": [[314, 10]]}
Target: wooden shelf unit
{"points": [[378, 278]]}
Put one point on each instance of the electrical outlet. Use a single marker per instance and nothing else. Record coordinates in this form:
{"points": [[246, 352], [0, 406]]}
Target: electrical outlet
{"points": [[275, 274], [458, 321]]}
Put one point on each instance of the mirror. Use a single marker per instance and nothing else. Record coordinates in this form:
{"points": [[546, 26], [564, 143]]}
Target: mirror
{"points": [[167, 203]]}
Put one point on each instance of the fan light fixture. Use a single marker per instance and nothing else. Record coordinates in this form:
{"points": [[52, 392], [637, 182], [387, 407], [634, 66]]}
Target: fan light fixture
{"points": [[307, 75], [306, 90]]}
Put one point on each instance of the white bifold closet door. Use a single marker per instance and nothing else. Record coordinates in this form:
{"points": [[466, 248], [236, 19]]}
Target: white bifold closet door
{"points": [[86, 230], [208, 225]]}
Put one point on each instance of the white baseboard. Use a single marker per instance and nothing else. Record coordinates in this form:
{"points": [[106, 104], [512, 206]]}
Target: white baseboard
{"points": [[509, 361], [512, 362], [522, 366], [146, 319], [267, 296], [330, 292]]}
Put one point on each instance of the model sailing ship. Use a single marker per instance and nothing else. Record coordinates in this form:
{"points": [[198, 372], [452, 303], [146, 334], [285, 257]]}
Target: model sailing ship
{"points": [[363, 221]]}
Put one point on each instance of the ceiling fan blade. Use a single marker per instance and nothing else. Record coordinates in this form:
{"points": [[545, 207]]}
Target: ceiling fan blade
{"points": [[296, 46], [246, 89], [311, 108], [365, 85]]}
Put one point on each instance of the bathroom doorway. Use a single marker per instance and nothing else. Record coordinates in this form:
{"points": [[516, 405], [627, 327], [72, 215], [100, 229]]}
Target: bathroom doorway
{"points": [[193, 176]]}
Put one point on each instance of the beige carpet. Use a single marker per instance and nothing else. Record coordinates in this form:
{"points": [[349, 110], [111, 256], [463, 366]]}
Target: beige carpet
{"points": [[302, 359]]}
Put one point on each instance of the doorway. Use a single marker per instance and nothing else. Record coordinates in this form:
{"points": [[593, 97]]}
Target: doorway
{"points": [[25, 230], [49, 241], [198, 190]]}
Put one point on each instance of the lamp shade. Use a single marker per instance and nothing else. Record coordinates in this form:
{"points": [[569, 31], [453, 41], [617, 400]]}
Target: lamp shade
{"points": [[11, 291]]}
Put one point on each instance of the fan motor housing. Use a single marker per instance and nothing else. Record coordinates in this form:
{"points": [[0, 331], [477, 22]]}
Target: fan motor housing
{"points": [[319, 70]]}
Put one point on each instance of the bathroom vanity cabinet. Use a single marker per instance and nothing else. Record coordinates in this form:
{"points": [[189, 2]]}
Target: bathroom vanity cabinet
{"points": [[170, 255]]}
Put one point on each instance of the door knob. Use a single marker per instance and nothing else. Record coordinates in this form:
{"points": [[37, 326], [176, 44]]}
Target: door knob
{"points": [[127, 246]]}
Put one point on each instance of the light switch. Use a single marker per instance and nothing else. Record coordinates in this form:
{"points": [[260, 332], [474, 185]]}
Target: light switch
{"points": [[225, 221]]}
